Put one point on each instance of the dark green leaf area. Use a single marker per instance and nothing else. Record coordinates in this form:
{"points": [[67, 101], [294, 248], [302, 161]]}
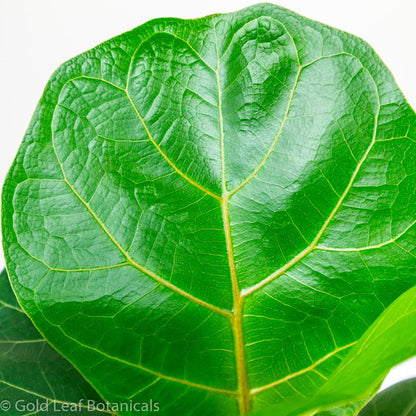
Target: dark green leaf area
{"points": [[34, 378], [398, 400]]}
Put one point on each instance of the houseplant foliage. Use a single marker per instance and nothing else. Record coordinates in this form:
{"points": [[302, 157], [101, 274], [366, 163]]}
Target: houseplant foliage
{"points": [[215, 214], [31, 370], [398, 400]]}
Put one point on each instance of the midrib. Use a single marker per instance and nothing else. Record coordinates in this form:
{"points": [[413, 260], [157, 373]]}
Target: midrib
{"points": [[244, 396]]}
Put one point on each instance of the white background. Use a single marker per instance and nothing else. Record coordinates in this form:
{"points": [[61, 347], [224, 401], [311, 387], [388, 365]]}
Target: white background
{"points": [[36, 36]]}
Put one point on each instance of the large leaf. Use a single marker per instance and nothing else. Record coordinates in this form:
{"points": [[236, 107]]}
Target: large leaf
{"points": [[398, 400], [33, 376], [210, 213]]}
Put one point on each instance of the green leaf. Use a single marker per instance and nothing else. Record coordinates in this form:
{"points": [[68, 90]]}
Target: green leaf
{"points": [[31, 372], [345, 410], [389, 340], [398, 400], [211, 213]]}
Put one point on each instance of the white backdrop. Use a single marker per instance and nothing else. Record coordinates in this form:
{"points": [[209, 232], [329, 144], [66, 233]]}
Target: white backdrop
{"points": [[36, 36]]}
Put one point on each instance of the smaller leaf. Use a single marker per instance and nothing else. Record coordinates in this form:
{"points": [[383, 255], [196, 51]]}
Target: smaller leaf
{"points": [[351, 409], [398, 400], [34, 378], [347, 410]]}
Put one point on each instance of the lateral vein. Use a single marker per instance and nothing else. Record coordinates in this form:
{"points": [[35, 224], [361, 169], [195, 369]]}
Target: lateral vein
{"points": [[313, 245], [276, 139], [163, 154], [32, 393], [129, 259], [139, 366], [375, 246], [303, 371], [151, 139]]}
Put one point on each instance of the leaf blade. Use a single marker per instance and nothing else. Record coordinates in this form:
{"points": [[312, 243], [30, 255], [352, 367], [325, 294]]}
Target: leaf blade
{"points": [[399, 399]]}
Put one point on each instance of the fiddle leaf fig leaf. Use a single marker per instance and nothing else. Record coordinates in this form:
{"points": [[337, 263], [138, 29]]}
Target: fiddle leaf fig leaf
{"points": [[211, 213], [34, 378], [398, 400]]}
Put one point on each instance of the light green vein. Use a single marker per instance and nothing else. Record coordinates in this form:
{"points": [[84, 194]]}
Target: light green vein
{"points": [[127, 256], [138, 366], [26, 341], [286, 116], [276, 139], [150, 137], [7, 305], [372, 247], [32, 393], [340, 201], [301, 372], [163, 154]]}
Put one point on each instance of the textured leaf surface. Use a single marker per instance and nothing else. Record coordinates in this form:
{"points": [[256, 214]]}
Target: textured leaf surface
{"points": [[211, 213], [388, 341], [31, 371], [398, 400]]}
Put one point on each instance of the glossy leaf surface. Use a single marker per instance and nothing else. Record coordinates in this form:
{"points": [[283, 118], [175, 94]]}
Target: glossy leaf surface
{"points": [[387, 342], [210, 213], [31, 372]]}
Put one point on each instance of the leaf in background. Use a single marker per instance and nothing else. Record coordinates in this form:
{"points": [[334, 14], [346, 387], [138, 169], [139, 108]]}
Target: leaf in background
{"points": [[210, 213], [398, 400], [31, 371]]}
